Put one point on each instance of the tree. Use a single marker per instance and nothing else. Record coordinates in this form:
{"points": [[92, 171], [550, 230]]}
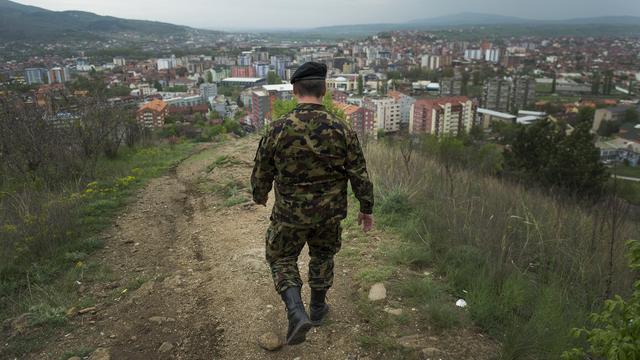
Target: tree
{"points": [[157, 85], [595, 84], [282, 107], [586, 114], [616, 328], [631, 115], [544, 153], [273, 78], [209, 77], [553, 83], [360, 85]]}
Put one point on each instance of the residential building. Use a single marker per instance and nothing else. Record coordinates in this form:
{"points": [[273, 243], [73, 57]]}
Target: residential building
{"points": [[524, 93], [260, 108], [339, 96], [35, 75], [616, 114], [119, 61], [361, 119], [167, 63], [405, 102], [152, 114], [279, 64], [245, 59], [430, 62], [243, 71], [386, 113], [244, 82], [262, 70], [492, 55], [497, 95], [451, 86], [185, 101], [59, 75], [344, 82], [443, 116], [208, 91], [474, 54]]}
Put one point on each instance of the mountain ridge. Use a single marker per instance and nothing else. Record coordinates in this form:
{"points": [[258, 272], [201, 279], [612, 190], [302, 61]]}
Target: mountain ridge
{"points": [[29, 23]]}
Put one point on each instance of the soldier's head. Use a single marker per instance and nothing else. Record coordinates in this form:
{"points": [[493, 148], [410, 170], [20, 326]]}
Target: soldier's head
{"points": [[309, 81], [310, 88]]}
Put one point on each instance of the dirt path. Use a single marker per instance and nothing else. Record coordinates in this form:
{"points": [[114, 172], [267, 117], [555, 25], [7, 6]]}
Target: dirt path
{"points": [[196, 247]]}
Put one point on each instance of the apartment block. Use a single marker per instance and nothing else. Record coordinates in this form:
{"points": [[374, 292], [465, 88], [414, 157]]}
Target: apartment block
{"points": [[443, 116]]}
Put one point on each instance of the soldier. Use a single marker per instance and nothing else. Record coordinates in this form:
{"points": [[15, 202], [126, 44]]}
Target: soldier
{"points": [[311, 154]]}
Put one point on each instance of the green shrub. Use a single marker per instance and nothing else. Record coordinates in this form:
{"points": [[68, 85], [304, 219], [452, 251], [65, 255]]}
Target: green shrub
{"points": [[615, 334]]}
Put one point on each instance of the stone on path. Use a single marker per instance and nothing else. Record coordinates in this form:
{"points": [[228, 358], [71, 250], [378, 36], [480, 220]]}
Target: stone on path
{"points": [[100, 354], [269, 341], [392, 311], [165, 347], [377, 292], [75, 358]]}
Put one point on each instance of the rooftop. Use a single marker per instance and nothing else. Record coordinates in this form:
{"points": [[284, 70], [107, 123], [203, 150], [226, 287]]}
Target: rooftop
{"points": [[154, 105], [278, 87], [242, 79]]}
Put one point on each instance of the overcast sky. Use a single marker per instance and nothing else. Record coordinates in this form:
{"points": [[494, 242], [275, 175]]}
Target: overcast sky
{"points": [[235, 14]]}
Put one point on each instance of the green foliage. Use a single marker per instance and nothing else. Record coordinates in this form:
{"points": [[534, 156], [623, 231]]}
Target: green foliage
{"points": [[546, 154], [436, 306], [616, 329], [176, 88], [52, 234], [43, 314], [631, 115], [273, 78], [360, 85], [283, 107], [529, 266], [586, 114]]}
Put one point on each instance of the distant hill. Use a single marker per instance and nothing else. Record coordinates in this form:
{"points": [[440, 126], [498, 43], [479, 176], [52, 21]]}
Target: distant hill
{"points": [[30, 23], [605, 25]]}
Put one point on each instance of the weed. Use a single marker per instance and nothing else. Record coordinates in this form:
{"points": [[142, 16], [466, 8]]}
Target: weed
{"points": [[80, 352], [371, 275], [44, 314]]}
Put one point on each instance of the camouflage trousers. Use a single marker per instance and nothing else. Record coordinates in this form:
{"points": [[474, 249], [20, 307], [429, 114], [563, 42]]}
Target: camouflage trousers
{"points": [[284, 244]]}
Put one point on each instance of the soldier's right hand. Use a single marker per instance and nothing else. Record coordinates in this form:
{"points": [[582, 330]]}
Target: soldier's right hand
{"points": [[366, 220]]}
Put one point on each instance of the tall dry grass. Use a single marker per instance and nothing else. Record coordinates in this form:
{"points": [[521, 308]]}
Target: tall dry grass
{"points": [[532, 266]]}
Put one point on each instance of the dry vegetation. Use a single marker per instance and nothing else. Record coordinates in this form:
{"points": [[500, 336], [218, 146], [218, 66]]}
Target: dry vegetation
{"points": [[531, 266]]}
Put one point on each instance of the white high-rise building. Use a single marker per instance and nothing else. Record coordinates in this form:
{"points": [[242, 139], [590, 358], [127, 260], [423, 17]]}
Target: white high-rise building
{"points": [[430, 62], [386, 112], [492, 55]]}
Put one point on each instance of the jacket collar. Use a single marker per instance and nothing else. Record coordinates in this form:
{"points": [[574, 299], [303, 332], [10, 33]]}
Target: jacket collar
{"points": [[309, 107]]}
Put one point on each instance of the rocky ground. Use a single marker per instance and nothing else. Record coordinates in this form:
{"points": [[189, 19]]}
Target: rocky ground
{"points": [[193, 245]]}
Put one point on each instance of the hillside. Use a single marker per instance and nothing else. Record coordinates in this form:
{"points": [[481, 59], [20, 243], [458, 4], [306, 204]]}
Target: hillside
{"points": [[496, 24], [30, 23]]}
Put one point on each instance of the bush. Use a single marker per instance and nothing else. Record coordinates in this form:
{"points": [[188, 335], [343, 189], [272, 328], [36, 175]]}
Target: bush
{"points": [[616, 329], [531, 266]]}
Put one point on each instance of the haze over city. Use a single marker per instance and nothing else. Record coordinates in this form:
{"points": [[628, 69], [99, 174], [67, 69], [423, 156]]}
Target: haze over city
{"points": [[287, 14]]}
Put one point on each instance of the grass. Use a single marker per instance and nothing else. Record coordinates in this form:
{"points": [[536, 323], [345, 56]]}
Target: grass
{"points": [[79, 352], [530, 267], [222, 161], [47, 240], [234, 192], [628, 171]]}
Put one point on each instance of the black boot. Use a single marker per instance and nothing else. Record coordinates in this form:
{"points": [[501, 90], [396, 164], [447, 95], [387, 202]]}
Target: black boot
{"points": [[318, 308], [299, 323]]}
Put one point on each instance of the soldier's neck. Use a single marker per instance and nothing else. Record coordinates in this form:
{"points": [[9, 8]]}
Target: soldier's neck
{"points": [[309, 100]]}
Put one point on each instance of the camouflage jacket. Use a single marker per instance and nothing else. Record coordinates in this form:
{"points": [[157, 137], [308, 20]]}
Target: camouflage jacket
{"points": [[311, 155]]}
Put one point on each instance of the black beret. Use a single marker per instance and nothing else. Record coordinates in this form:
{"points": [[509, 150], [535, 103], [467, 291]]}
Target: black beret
{"points": [[310, 71]]}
